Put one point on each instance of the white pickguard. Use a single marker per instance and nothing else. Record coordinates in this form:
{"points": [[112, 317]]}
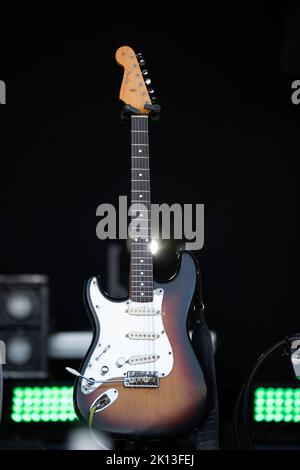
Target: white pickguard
{"points": [[121, 323]]}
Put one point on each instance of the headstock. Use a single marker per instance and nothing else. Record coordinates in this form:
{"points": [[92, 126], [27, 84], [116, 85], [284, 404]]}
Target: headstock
{"points": [[135, 89]]}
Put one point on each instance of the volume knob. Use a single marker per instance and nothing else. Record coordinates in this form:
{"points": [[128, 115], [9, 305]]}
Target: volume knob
{"points": [[120, 362]]}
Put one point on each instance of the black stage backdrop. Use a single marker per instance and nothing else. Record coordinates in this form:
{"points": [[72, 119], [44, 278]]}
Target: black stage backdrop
{"points": [[228, 138]]}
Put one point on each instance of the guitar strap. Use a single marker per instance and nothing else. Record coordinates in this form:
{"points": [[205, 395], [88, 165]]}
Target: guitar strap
{"points": [[207, 434]]}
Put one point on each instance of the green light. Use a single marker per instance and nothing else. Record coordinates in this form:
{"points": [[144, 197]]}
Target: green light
{"points": [[277, 404], [259, 409], [269, 417], [42, 404], [18, 392], [45, 417], [259, 417], [270, 401], [17, 401], [259, 392], [259, 401], [16, 417]]}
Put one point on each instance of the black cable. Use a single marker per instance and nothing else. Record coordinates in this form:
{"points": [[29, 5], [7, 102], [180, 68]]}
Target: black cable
{"points": [[241, 417], [236, 426]]}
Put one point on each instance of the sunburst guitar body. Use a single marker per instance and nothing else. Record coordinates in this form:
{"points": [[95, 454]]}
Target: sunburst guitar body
{"points": [[141, 376]]}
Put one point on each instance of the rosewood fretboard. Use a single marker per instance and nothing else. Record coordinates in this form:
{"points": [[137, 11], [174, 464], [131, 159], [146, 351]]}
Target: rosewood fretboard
{"points": [[141, 266]]}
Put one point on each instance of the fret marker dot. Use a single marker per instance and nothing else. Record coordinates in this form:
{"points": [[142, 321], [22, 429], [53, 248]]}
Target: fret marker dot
{"points": [[142, 260], [141, 195], [142, 283], [140, 174], [140, 151], [142, 293], [142, 273]]}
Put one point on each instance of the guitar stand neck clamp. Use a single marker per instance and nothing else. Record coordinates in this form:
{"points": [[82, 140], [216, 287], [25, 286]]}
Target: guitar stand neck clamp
{"points": [[128, 111]]}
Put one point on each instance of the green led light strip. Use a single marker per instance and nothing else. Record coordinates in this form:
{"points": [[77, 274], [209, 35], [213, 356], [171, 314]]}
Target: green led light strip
{"points": [[277, 404], [42, 404]]}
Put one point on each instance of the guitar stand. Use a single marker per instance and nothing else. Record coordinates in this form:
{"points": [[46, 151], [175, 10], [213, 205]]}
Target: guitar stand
{"points": [[128, 111], [206, 436]]}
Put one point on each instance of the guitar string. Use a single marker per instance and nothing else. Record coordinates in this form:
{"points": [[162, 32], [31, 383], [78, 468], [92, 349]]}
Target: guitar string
{"points": [[148, 234], [140, 164], [144, 235], [148, 248], [145, 245], [143, 250], [134, 246], [151, 321]]}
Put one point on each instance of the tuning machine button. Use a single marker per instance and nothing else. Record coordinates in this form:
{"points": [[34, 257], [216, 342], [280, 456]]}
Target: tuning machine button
{"points": [[139, 55], [145, 72], [148, 81], [142, 62], [153, 100], [151, 91]]}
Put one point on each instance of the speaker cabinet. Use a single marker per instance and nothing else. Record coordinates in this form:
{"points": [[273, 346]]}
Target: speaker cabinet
{"points": [[24, 306]]}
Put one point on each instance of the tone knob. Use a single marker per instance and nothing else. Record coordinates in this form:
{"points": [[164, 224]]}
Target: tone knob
{"points": [[120, 362], [148, 81]]}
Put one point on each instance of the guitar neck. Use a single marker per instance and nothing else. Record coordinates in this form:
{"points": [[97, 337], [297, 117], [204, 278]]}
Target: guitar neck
{"points": [[141, 265]]}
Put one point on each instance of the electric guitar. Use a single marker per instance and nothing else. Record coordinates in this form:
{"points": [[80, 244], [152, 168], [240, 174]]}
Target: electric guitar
{"points": [[140, 376]]}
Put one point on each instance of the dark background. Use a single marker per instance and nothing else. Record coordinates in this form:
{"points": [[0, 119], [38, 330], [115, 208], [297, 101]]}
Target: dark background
{"points": [[228, 138]]}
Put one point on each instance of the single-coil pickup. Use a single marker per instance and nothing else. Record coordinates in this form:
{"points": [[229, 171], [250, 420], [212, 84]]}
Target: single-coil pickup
{"points": [[144, 335], [142, 311], [134, 360]]}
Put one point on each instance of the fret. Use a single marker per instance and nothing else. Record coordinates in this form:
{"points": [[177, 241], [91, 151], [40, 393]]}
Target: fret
{"points": [[139, 270], [143, 285], [140, 243], [150, 276]]}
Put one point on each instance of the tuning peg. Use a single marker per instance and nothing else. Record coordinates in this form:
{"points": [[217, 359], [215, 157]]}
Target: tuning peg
{"points": [[153, 100], [142, 63], [145, 72], [148, 81], [139, 55], [151, 91]]}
